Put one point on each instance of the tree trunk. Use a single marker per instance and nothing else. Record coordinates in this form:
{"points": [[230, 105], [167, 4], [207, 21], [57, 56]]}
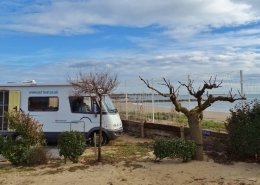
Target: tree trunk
{"points": [[100, 131], [196, 135]]}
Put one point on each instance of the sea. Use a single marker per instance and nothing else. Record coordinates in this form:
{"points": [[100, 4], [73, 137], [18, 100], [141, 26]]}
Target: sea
{"points": [[186, 101]]}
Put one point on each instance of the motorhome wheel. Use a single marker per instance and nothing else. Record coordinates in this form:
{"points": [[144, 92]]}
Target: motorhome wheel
{"points": [[91, 139]]}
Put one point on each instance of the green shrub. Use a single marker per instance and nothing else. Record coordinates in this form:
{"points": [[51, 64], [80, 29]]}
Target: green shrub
{"points": [[27, 128], [20, 150], [243, 128], [19, 153], [71, 145], [37, 156], [15, 151], [1, 143], [174, 148]]}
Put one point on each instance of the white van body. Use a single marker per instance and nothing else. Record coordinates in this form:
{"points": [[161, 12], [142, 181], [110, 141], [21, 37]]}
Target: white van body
{"points": [[53, 105]]}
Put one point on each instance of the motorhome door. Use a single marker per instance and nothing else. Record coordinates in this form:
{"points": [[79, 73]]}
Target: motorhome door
{"points": [[9, 101]]}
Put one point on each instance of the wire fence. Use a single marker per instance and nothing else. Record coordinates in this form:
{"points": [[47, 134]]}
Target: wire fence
{"points": [[135, 101]]}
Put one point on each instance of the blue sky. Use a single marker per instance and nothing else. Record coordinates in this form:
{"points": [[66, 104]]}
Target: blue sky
{"points": [[49, 40]]}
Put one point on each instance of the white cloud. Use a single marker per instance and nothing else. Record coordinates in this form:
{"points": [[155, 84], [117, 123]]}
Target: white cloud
{"points": [[180, 18], [159, 56], [174, 65]]}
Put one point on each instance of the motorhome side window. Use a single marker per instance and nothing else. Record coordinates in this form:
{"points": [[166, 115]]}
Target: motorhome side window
{"points": [[43, 104], [80, 104]]}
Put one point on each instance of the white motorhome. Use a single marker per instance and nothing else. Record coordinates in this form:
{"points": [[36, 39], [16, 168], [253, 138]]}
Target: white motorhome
{"points": [[58, 108]]}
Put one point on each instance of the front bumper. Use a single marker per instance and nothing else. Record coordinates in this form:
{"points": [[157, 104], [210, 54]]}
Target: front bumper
{"points": [[113, 134]]}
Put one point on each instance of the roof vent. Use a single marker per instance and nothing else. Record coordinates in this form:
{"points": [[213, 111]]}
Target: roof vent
{"points": [[29, 82]]}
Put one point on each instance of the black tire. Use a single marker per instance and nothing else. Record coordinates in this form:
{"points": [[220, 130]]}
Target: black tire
{"points": [[104, 139]]}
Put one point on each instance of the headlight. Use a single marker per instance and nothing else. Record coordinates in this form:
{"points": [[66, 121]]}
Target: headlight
{"points": [[116, 125]]}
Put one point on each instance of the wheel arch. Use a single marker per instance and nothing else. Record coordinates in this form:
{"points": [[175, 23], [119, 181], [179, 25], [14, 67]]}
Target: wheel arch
{"points": [[96, 129]]}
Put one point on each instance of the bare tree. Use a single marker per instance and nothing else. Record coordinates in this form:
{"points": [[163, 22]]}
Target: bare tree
{"points": [[195, 115], [99, 84]]}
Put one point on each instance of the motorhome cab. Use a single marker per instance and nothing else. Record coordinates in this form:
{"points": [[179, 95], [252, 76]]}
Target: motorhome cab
{"points": [[59, 109]]}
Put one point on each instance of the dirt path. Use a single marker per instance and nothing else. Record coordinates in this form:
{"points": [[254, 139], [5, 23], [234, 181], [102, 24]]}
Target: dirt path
{"points": [[164, 173], [142, 171]]}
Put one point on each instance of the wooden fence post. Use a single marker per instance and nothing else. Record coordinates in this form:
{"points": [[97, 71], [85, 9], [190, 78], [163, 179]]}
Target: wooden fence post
{"points": [[142, 129]]}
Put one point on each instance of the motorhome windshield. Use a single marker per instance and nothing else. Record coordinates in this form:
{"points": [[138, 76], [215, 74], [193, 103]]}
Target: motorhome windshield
{"points": [[108, 104]]}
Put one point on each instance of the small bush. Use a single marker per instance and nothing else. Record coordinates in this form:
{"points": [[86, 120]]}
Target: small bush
{"points": [[27, 128], [1, 144], [37, 156], [174, 148], [19, 150], [243, 129], [15, 151], [71, 145]]}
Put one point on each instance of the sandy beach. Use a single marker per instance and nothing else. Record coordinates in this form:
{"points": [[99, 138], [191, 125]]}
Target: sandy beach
{"points": [[146, 108], [216, 116]]}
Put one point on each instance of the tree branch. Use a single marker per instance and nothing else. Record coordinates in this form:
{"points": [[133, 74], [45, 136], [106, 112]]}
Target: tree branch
{"points": [[97, 83], [172, 95], [146, 82], [198, 94], [211, 99]]}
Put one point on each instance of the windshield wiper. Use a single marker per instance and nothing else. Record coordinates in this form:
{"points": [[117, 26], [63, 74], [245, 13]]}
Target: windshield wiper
{"points": [[113, 110]]}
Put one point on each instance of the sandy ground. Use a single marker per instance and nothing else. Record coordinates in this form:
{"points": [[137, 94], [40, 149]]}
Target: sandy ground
{"points": [[142, 173], [136, 172], [216, 116]]}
